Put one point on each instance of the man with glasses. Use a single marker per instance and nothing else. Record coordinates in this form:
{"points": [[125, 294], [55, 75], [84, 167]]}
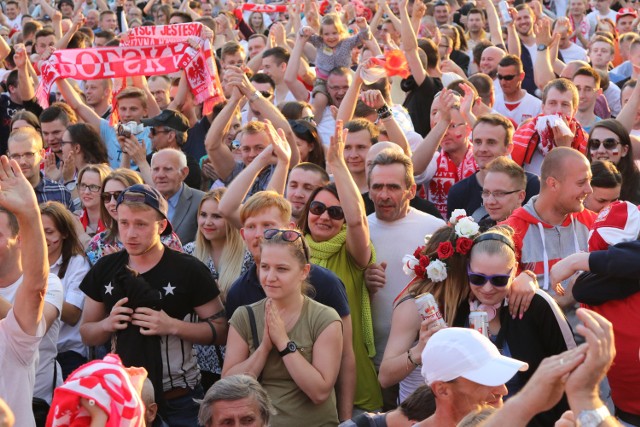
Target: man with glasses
{"points": [[502, 191], [587, 81], [490, 139], [142, 296], [25, 147], [513, 101]]}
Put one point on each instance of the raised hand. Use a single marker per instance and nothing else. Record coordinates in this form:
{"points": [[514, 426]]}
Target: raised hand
{"points": [[373, 98], [278, 139], [335, 154], [20, 56], [16, 193], [51, 170]]}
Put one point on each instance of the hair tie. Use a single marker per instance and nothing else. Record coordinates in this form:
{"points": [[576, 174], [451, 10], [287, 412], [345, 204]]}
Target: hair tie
{"points": [[495, 236]]}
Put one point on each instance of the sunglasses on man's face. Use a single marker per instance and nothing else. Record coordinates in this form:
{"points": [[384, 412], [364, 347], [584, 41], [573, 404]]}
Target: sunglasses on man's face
{"points": [[318, 208], [608, 143], [507, 78], [479, 279]]}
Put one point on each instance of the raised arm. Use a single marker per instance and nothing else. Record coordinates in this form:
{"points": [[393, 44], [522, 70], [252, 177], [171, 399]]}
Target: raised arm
{"points": [[373, 98], [73, 99], [348, 104], [543, 62], [358, 242], [291, 74], [25, 83], [4, 49], [495, 30], [410, 46], [220, 155], [423, 155], [513, 40], [17, 196], [627, 116], [63, 42]]}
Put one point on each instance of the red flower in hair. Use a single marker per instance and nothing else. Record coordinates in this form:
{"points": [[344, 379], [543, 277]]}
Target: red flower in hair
{"points": [[418, 252], [424, 261], [463, 245], [419, 270], [445, 250]]}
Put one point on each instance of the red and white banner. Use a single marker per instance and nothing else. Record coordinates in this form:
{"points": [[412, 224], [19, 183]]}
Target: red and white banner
{"points": [[265, 8], [145, 51]]}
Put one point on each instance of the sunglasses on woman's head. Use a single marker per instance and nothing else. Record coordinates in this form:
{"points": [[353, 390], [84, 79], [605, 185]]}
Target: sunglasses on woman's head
{"points": [[479, 279], [318, 208], [608, 143], [288, 236]]}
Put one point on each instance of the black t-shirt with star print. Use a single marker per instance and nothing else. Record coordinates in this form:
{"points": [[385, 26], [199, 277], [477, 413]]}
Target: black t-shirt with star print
{"points": [[182, 281]]}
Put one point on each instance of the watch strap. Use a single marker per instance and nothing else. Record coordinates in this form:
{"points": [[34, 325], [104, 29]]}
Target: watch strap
{"points": [[291, 347], [592, 417]]}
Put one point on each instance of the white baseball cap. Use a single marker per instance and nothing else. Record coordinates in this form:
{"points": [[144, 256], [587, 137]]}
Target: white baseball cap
{"points": [[462, 352]]}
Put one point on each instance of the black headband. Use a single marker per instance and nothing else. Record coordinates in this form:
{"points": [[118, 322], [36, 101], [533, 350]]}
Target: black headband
{"points": [[494, 236]]}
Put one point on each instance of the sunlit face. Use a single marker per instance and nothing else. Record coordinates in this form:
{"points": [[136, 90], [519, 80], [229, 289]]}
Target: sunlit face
{"points": [[524, 22], [356, 147], [577, 7], [488, 143], [337, 86], [574, 186], [441, 14], [489, 61], [52, 134], [300, 185], [131, 110], [166, 173], [90, 199], [109, 22], [588, 92], [92, 19], [625, 24], [601, 198], [255, 46], [456, 137], [274, 70], [112, 188], [139, 229], [281, 273], [601, 54], [559, 103], [330, 35], [510, 87], [254, 226], [21, 124], [490, 264], [501, 195], [44, 42], [28, 155], [233, 60], [243, 412], [251, 145], [323, 227], [12, 11], [160, 90], [256, 20], [389, 192], [207, 9], [211, 223], [96, 92], [599, 152]]}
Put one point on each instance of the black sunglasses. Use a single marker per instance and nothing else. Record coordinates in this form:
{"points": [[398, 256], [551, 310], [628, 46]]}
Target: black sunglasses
{"points": [[609, 144], [288, 236], [497, 280], [107, 195], [318, 208], [507, 77]]}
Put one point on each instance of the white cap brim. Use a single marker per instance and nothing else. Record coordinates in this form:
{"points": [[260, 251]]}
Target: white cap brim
{"points": [[496, 371]]}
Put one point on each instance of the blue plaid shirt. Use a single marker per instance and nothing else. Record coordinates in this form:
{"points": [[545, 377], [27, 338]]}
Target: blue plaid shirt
{"points": [[52, 191]]}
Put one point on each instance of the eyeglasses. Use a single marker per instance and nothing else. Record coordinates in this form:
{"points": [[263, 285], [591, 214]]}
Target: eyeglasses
{"points": [[27, 156], [309, 119], [154, 131], [497, 194], [608, 143], [318, 208], [497, 280], [288, 236], [93, 188], [108, 195], [507, 78]]}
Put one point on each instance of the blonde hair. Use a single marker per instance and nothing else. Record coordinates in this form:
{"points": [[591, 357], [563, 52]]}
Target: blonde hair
{"points": [[263, 200], [495, 246], [232, 254], [333, 19]]}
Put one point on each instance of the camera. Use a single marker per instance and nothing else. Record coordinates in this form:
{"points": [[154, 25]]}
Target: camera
{"points": [[129, 128]]}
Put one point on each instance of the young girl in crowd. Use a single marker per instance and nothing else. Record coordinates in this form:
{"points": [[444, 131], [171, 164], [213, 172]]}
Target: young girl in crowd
{"points": [[334, 50], [218, 243], [68, 261], [90, 180], [287, 340]]}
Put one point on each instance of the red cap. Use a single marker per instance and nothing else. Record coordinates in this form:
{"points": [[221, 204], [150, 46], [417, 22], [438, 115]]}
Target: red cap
{"points": [[626, 11]]}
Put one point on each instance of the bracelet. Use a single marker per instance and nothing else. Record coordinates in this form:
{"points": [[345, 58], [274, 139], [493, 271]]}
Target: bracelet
{"points": [[410, 359], [213, 331], [255, 96], [384, 112]]}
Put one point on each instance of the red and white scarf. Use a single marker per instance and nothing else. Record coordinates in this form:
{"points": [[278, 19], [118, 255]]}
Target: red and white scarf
{"points": [[145, 51], [448, 174], [106, 383], [264, 8]]}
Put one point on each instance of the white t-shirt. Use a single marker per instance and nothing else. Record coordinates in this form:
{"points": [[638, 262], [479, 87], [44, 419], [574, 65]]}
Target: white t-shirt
{"points": [[613, 98], [573, 53], [16, 23], [592, 17], [48, 345], [327, 127], [533, 52], [69, 336], [390, 249], [18, 357], [528, 107]]}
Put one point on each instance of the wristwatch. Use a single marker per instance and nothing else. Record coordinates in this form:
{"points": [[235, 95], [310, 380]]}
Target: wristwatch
{"points": [[291, 347], [542, 47], [254, 96], [592, 417]]}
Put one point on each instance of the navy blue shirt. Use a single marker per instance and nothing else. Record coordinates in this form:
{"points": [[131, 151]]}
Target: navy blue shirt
{"points": [[329, 289]]}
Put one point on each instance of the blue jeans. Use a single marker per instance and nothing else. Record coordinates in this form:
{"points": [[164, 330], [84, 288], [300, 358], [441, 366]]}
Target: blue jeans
{"points": [[182, 411]]}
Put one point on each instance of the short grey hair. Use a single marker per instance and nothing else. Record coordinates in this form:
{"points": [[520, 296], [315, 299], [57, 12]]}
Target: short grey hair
{"points": [[390, 156], [235, 387], [182, 158]]}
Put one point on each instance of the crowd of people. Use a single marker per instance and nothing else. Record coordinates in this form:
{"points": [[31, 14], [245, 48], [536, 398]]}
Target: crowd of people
{"points": [[259, 251]]}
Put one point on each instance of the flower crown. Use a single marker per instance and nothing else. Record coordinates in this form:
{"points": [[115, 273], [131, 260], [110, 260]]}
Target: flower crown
{"points": [[434, 265]]}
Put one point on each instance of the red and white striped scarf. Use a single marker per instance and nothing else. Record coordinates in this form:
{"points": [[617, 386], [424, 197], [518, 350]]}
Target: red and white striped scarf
{"points": [[448, 174]]}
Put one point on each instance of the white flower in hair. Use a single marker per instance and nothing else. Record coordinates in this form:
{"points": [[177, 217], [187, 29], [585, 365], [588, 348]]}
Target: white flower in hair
{"points": [[408, 263], [466, 227], [437, 271], [457, 214], [427, 238]]}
